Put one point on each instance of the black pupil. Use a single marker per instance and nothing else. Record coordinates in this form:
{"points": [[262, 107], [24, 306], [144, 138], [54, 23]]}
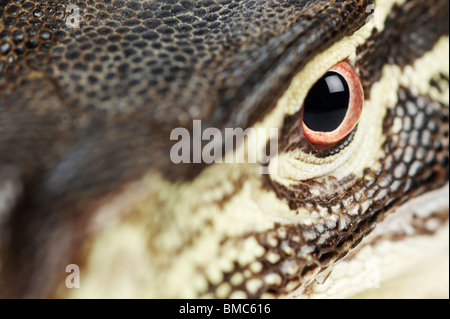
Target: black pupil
{"points": [[327, 103]]}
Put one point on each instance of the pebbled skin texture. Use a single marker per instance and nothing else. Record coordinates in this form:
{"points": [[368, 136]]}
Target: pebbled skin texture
{"points": [[416, 159], [84, 112], [170, 54]]}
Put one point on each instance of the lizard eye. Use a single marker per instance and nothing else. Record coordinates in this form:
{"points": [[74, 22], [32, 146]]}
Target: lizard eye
{"points": [[333, 106]]}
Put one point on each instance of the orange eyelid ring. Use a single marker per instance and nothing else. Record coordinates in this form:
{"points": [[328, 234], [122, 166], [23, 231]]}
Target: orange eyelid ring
{"points": [[356, 101]]}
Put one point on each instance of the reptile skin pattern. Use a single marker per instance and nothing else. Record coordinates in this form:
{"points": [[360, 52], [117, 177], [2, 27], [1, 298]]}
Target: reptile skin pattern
{"points": [[86, 114]]}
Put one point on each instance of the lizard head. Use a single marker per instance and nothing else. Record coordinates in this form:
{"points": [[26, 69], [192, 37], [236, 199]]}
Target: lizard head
{"points": [[113, 146]]}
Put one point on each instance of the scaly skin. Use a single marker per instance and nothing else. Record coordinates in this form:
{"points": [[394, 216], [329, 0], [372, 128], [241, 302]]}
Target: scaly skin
{"points": [[85, 171]]}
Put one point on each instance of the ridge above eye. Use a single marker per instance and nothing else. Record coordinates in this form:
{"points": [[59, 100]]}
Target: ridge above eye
{"points": [[333, 106]]}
